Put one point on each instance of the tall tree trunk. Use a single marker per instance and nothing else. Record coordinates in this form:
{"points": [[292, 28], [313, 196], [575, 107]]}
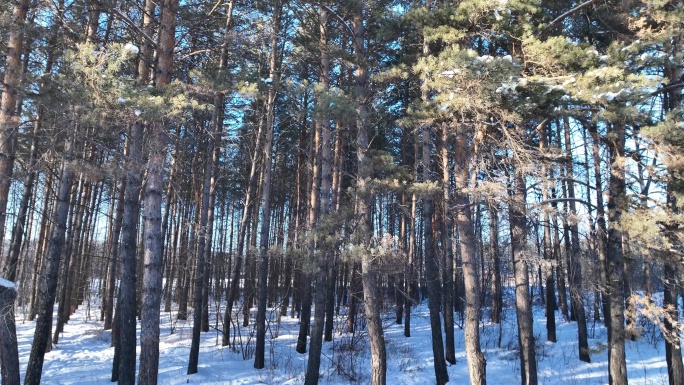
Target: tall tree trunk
{"points": [[323, 124], [48, 281], [601, 231], [262, 296], [575, 262], [431, 259], [446, 231], [497, 290], [245, 221], [9, 116], [114, 252], [20, 224], [153, 244], [368, 269], [528, 360], [124, 333], [548, 251], [476, 360], [617, 366]]}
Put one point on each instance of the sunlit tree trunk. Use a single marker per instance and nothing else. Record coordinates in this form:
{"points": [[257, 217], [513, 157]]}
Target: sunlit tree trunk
{"points": [[476, 360], [446, 231], [9, 117]]}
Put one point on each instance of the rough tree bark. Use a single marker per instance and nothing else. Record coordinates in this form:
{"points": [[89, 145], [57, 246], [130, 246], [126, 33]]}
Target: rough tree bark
{"points": [[9, 351], [575, 264], [447, 225], [323, 124], [153, 243], [617, 365], [9, 117], [362, 210], [528, 360], [48, 281], [476, 360], [262, 296]]}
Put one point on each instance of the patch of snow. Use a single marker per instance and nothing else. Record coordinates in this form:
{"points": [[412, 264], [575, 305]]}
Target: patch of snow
{"points": [[131, 48], [450, 73], [7, 284], [84, 355]]}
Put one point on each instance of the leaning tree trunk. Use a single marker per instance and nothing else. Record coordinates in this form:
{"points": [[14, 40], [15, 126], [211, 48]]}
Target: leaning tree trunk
{"points": [[20, 224], [48, 281]]}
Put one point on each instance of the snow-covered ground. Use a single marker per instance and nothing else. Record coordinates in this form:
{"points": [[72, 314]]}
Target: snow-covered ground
{"points": [[84, 355]]}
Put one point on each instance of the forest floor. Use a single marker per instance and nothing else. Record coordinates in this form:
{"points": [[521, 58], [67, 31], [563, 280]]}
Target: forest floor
{"points": [[84, 355]]}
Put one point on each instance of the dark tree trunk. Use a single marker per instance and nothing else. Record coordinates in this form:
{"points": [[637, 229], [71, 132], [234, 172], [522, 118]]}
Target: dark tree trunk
{"points": [[19, 225], [262, 295], [126, 301], [114, 255], [497, 292], [9, 351], [48, 281], [673, 346], [369, 271], [617, 366], [528, 360], [323, 127], [446, 231], [9, 116], [575, 262]]}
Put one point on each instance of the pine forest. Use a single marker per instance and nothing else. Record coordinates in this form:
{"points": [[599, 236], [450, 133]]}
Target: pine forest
{"points": [[341, 192]]}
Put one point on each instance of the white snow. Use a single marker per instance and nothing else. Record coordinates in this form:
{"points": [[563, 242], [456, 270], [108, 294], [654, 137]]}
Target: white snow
{"points": [[84, 355], [131, 48], [450, 73], [7, 284]]}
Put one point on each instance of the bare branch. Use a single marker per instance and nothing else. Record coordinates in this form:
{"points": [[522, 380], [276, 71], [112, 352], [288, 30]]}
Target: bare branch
{"points": [[131, 24], [570, 12]]}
